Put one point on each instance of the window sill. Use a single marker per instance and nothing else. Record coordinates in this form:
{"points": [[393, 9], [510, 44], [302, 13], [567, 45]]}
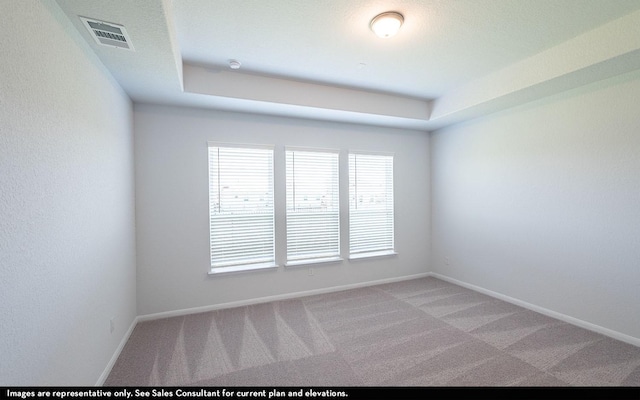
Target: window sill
{"points": [[327, 260], [360, 256], [241, 268]]}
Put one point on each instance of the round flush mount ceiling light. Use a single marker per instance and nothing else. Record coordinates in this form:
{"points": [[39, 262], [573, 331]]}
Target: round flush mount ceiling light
{"points": [[387, 24], [234, 64]]}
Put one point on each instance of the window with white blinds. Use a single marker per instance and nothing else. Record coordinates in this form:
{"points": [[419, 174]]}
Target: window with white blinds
{"points": [[313, 209], [370, 205], [241, 207]]}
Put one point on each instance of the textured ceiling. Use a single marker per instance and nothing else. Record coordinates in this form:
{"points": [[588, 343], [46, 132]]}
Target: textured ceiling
{"points": [[441, 45], [319, 59]]}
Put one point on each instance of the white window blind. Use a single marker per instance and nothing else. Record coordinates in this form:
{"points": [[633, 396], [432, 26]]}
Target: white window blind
{"points": [[370, 204], [313, 209], [241, 206]]}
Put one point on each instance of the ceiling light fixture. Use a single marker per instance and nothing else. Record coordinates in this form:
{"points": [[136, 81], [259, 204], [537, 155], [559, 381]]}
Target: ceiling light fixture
{"points": [[234, 64], [387, 24]]}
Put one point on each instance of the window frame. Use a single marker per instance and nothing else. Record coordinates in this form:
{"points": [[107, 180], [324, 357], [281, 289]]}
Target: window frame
{"points": [[335, 257], [242, 266], [382, 252]]}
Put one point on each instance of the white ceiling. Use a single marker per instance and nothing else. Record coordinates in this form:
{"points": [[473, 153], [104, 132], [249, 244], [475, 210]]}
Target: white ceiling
{"points": [[452, 59]]}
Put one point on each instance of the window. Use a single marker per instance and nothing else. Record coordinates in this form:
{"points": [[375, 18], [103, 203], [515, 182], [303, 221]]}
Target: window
{"points": [[313, 208], [241, 208], [370, 205]]}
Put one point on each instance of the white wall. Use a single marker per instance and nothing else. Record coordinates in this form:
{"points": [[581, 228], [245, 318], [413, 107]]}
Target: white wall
{"points": [[67, 239], [542, 203], [172, 205]]}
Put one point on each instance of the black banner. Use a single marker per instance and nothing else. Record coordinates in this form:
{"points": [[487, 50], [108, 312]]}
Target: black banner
{"points": [[318, 393]]}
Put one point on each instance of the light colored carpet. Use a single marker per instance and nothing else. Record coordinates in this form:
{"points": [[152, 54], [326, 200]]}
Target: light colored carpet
{"points": [[422, 332]]}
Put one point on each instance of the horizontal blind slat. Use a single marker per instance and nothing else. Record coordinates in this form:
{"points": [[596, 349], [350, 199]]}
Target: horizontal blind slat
{"points": [[312, 204], [241, 206], [371, 215]]}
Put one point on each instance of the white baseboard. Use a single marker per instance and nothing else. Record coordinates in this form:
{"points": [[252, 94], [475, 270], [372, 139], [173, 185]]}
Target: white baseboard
{"points": [[116, 354], [553, 314], [287, 296]]}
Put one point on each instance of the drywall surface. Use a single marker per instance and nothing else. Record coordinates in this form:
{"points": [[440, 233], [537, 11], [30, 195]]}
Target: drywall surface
{"points": [[172, 205], [542, 203], [67, 237]]}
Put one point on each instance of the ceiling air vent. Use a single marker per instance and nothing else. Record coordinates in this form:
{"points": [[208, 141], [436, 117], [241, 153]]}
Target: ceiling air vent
{"points": [[108, 34]]}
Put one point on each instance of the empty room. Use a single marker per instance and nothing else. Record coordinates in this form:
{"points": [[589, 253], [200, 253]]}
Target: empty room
{"points": [[419, 193]]}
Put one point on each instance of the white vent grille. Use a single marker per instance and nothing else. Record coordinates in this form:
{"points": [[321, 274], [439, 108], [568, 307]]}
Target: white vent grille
{"points": [[108, 34]]}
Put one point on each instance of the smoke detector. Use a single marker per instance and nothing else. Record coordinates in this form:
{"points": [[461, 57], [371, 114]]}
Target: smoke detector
{"points": [[108, 34]]}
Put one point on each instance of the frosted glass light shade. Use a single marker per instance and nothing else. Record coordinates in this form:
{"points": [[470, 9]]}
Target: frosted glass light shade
{"points": [[387, 24]]}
